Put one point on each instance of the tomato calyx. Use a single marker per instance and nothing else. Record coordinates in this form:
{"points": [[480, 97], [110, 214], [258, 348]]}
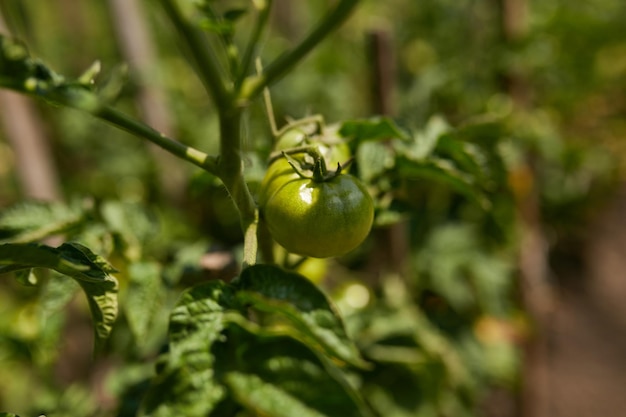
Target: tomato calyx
{"points": [[315, 170]]}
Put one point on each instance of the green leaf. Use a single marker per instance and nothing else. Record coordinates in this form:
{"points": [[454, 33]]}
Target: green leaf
{"points": [[233, 15], [72, 259], [292, 297], [279, 376], [34, 220], [8, 415], [424, 143], [143, 297], [443, 171], [264, 398], [376, 128], [185, 383], [132, 222], [20, 72], [476, 148], [373, 158], [455, 263]]}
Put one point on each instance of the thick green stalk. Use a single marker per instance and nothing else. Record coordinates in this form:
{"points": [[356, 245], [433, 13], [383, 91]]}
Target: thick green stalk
{"points": [[230, 171], [279, 67]]}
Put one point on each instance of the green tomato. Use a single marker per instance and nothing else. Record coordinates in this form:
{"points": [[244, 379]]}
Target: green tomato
{"points": [[316, 219], [292, 138]]}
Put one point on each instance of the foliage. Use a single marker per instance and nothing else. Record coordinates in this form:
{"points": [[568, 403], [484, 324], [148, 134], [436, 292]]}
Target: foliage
{"points": [[196, 311]]}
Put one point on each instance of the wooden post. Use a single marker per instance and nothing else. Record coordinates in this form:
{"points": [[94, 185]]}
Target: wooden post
{"points": [[536, 292], [392, 253], [134, 40]]}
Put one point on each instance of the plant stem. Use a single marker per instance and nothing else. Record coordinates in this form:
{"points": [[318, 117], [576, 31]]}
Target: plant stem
{"points": [[230, 171], [204, 61], [88, 102], [260, 24], [137, 128], [286, 61]]}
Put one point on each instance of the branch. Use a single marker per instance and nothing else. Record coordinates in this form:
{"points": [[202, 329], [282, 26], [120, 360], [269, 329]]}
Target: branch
{"points": [[279, 67], [204, 62], [264, 9], [124, 122]]}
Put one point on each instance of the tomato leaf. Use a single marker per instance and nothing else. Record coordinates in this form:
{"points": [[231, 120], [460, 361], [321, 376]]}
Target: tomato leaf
{"points": [[280, 376], [133, 224], [376, 128], [74, 260], [34, 220], [443, 171], [373, 159], [143, 297], [185, 384], [296, 300]]}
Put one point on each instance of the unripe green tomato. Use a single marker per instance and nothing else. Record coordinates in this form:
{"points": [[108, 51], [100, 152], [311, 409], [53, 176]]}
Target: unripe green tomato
{"points": [[315, 269], [316, 219], [292, 138], [278, 173]]}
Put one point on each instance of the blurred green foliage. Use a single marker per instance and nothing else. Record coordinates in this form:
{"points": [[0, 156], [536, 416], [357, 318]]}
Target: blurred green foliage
{"points": [[436, 340]]}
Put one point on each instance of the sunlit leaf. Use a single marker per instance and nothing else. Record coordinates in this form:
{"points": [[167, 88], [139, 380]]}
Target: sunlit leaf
{"points": [[443, 171], [280, 376], [373, 158], [185, 384], [143, 297], [34, 220], [296, 299], [376, 128], [132, 223]]}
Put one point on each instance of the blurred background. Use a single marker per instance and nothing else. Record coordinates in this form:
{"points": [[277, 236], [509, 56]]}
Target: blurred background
{"points": [[553, 72]]}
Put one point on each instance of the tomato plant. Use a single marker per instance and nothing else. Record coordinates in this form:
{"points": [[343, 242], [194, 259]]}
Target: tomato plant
{"points": [[192, 269]]}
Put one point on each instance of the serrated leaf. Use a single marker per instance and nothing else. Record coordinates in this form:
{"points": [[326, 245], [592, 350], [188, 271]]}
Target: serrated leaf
{"points": [[264, 398], [185, 384], [34, 220], [376, 128], [77, 261], [313, 318], [56, 292], [279, 376], [132, 223], [456, 265], [373, 159], [143, 297], [423, 143], [443, 170]]}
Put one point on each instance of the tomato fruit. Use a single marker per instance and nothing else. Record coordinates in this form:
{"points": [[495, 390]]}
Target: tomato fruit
{"points": [[316, 218]]}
